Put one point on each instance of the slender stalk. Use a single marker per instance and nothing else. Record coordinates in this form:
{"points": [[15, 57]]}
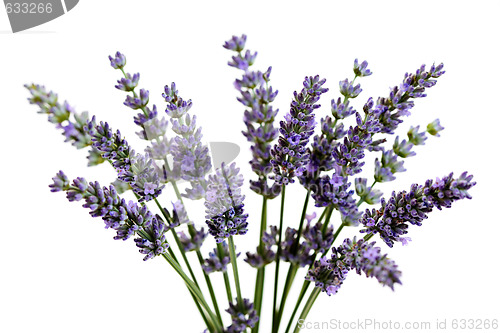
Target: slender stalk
{"points": [[192, 231], [328, 213], [195, 290], [303, 291], [339, 229], [210, 289], [292, 270], [302, 218], [221, 250], [177, 241], [261, 271], [202, 312], [323, 214], [232, 255], [307, 307], [176, 238], [228, 288], [278, 254]]}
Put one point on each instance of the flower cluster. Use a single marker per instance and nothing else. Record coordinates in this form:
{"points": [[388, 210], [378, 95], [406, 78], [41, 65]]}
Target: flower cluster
{"points": [[329, 274], [140, 101], [265, 254], [313, 240], [391, 220], [127, 219], [243, 316], [194, 241], [289, 155], [191, 159], [224, 203], [399, 103], [336, 192], [257, 96], [325, 168], [218, 259], [135, 169], [61, 114]]}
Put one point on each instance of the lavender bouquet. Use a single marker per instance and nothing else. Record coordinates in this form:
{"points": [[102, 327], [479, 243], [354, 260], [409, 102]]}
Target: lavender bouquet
{"points": [[324, 157]]}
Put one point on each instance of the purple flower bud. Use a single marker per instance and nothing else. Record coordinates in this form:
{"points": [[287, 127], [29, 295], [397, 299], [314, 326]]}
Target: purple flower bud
{"points": [[391, 220], [361, 69], [118, 61], [236, 43], [434, 128]]}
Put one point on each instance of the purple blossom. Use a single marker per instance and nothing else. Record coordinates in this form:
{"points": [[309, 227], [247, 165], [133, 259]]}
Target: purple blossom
{"points": [[194, 241], [387, 167], [224, 203], [365, 257], [191, 159], [403, 208], [217, 260], [403, 148], [257, 95], [266, 253], [243, 316], [329, 274], [400, 100], [290, 159], [135, 169], [351, 151], [118, 61], [60, 115], [127, 219], [236, 43], [129, 82], [368, 194], [138, 102], [349, 90], [434, 128], [361, 69], [342, 110], [176, 107], [60, 182], [415, 137]]}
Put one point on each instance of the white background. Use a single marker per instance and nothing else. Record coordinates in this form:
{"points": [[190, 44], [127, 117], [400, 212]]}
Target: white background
{"points": [[62, 272]]}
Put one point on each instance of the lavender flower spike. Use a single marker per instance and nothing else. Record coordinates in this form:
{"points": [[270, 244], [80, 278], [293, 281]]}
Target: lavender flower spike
{"points": [[289, 155], [391, 220], [224, 203], [127, 219], [361, 69], [329, 274], [257, 96]]}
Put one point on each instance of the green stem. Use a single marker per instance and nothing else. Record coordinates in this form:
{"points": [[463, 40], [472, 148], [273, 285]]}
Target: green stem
{"points": [[228, 287], [307, 307], [195, 290], [338, 231], [278, 254], [305, 286], [261, 271], [210, 289], [292, 272], [328, 213], [232, 255], [361, 200], [302, 218], [322, 215]]}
